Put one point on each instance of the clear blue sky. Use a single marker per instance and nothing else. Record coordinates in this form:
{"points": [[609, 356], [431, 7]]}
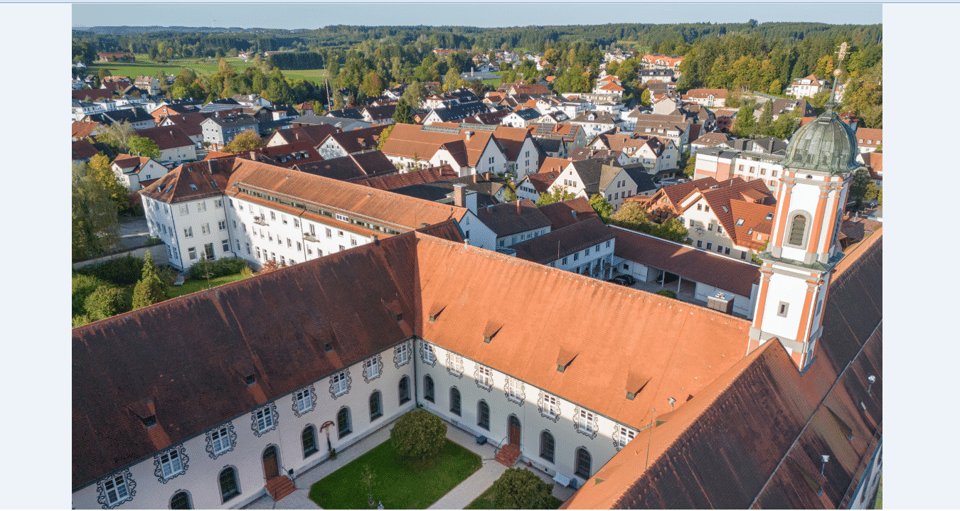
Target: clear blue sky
{"points": [[316, 15]]}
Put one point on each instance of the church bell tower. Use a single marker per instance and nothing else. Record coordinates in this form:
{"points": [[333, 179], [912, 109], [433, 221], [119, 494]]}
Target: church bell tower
{"points": [[803, 247]]}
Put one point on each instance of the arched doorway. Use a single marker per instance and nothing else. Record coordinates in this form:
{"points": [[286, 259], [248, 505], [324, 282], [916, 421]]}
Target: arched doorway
{"points": [[271, 467], [513, 429]]}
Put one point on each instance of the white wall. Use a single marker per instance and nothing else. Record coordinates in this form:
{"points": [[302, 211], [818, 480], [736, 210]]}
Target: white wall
{"points": [[201, 477]]}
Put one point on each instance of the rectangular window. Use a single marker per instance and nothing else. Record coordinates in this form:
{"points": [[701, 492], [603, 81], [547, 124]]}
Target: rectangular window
{"points": [[218, 203], [625, 436], [202, 206], [205, 228], [264, 419], [699, 243], [709, 246], [782, 309], [586, 421], [719, 229], [273, 215], [184, 209], [372, 368], [222, 224], [550, 406], [564, 261], [248, 249], [304, 400], [192, 253], [226, 245], [485, 377], [299, 247], [514, 390], [296, 222], [188, 232], [170, 463], [403, 354], [576, 256], [428, 355], [289, 243], [699, 207], [710, 227], [116, 490], [339, 383], [719, 248], [220, 440], [284, 219]]}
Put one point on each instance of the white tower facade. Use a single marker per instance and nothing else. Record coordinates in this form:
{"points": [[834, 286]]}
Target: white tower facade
{"points": [[803, 248]]}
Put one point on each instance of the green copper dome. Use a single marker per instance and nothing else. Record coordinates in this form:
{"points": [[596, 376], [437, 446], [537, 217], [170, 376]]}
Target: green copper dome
{"points": [[825, 144]]}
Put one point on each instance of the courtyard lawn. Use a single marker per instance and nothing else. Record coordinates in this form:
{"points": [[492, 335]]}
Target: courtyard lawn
{"points": [[379, 476], [485, 501], [194, 285]]}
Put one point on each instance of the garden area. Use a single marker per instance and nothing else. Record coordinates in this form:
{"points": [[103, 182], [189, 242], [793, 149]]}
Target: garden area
{"points": [[412, 470], [128, 283], [517, 488]]}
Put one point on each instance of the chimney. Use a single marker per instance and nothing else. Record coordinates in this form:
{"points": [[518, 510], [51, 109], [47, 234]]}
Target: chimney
{"points": [[475, 178], [518, 206], [469, 134], [460, 195]]}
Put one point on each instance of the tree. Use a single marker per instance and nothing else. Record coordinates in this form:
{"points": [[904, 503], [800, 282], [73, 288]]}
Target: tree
{"points": [[414, 94], [246, 140], [556, 194], [143, 146], [519, 488], [672, 229], [150, 289], [743, 125], [418, 436], [99, 169], [603, 208], [384, 135], [94, 216], [451, 79], [117, 135], [630, 216], [403, 114], [645, 97], [765, 123], [106, 301], [690, 165], [859, 186], [372, 84]]}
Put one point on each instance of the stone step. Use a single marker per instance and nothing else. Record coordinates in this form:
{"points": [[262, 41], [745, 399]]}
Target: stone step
{"points": [[508, 455], [279, 487]]}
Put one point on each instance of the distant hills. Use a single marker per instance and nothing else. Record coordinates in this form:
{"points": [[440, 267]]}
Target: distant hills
{"points": [[139, 30]]}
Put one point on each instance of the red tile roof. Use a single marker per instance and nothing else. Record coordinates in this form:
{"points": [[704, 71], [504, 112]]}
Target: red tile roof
{"points": [[563, 242], [513, 217], [83, 150], [410, 140], [83, 129], [394, 181], [166, 137], [364, 139], [349, 168], [568, 212]]}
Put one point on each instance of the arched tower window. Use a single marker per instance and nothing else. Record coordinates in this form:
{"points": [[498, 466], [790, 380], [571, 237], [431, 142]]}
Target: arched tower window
{"points": [[797, 228]]}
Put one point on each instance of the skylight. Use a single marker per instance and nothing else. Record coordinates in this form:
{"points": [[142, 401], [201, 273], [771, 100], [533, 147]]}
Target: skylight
{"points": [[769, 216], [739, 222], [193, 187]]}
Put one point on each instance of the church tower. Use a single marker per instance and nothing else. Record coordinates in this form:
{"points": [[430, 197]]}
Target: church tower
{"points": [[803, 247]]}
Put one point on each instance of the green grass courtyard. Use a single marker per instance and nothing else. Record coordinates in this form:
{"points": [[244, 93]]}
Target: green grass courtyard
{"points": [[380, 476]]}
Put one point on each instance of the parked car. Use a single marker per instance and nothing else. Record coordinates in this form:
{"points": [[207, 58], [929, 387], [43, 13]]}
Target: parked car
{"points": [[623, 280]]}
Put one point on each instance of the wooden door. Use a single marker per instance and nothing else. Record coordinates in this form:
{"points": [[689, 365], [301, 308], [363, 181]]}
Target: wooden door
{"points": [[270, 467], [514, 430]]}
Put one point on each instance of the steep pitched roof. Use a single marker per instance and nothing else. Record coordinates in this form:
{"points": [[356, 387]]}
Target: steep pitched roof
{"points": [[192, 181], [83, 129], [568, 212], [82, 150], [541, 181], [288, 155], [756, 204], [313, 134], [166, 137], [350, 167], [130, 164], [355, 141], [564, 241], [677, 192], [410, 140], [825, 410], [513, 217], [188, 122], [394, 181]]}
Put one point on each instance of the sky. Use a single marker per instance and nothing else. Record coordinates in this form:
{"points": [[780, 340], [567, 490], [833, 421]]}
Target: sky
{"points": [[476, 14]]}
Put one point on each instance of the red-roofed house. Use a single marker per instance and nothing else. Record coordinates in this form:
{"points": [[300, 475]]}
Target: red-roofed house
{"points": [[735, 218], [175, 146], [806, 87], [868, 139], [136, 172]]}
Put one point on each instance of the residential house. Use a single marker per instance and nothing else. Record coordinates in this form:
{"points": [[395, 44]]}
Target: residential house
{"points": [[521, 118], [585, 247], [289, 155], [605, 177], [136, 172], [454, 112], [379, 114], [137, 117], [573, 135], [148, 84], [219, 130], [339, 123], [655, 154], [190, 123], [709, 140], [301, 133], [251, 100], [723, 164], [869, 139], [82, 150], [660, 75], [805, 87], [220, 105], [179, 107], [594, 122], [734, 218], [665, 202], [707, 97], [673, 127], [80, 130], [175, 146], [468, 151], [658, 61], [568, 212], [338, 145]]}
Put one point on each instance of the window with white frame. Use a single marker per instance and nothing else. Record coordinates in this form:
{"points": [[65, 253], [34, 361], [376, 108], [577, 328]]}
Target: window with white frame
{"points": [[221, 440], [402, 354], [264, 419], [454, 364], [371, 368], [585, 424], [222, 225], [205, 228], [304, 401], [551, 406], [485, 377], [115, 490], [188, 232], [184, 209], [202, 206], [170, 464], [624, 436], [429, 356], [515, 390], [340, 383]]}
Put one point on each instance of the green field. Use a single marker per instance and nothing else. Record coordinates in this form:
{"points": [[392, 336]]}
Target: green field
{"points": [[379, 476], [144, 66]]}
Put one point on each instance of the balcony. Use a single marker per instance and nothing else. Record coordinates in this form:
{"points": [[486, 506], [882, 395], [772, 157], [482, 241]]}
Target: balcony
{"points": [[311, 237], [259, 220]]}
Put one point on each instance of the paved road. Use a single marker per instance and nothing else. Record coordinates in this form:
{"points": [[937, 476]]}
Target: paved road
{"points": [[134, 232]]}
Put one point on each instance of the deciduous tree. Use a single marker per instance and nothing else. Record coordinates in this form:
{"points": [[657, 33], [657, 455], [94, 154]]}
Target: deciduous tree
{"points": [[519, 488], [117, 135], [246, 140], [143, 146], [418, 436], [556, 194], [94, 216], [603, 208]]}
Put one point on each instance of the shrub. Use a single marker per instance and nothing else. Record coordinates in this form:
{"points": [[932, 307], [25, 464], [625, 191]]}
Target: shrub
{"points": [[123, 271], [519, 488], [218, 268], [106, 301], [667, 293], [82, 286], [148, 292], [80, 320], [419, 435]]}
